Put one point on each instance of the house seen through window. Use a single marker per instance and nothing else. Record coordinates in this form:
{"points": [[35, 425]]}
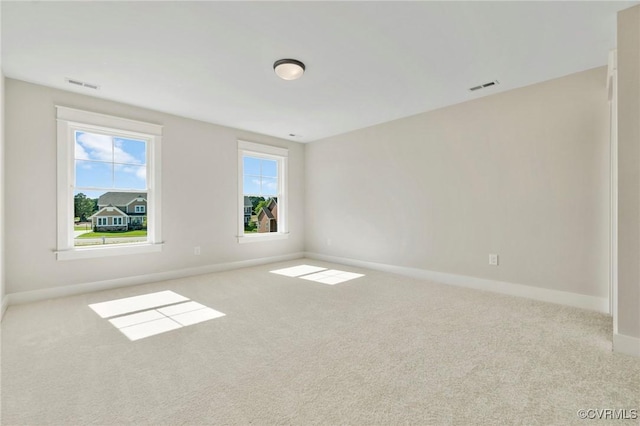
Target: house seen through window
{"points": [[110, 189]]}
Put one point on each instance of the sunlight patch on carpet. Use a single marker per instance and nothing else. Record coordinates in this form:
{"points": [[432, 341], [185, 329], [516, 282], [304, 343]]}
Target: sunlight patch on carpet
{"points": [[136, 303], [151, 328], [318, 274], [296, 271], [332, 277], [154, 313]]}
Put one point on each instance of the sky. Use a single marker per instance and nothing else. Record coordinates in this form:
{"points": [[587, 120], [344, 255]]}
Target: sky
{"points": [[260, 177], [109, 162]]}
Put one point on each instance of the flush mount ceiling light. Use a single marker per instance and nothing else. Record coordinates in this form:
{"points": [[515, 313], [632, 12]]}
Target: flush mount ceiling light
{"points": [[288, 69]]}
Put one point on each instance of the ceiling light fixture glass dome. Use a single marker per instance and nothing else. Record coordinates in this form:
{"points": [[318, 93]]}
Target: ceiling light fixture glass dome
{"points": [[289, 69]]}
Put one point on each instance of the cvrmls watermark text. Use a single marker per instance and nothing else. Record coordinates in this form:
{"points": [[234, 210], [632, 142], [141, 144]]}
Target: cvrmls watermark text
{"points": [[607, 414]]}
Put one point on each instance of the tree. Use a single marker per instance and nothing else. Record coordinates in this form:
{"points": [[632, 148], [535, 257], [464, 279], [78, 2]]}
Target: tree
{"points": [[250, 227], [254, 203], [83, 207], [264, 203], [260, 205]]}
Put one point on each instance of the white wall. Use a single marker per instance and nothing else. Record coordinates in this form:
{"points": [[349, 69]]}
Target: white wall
{"points": [[3, 300], [629, 174], [523, 174], [199, 194]]}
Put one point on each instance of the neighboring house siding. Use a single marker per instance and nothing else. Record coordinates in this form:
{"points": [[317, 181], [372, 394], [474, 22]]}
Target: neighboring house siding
{"points": [[268, 218], [264, 224], [116, 219], [131, 208], [248, 207]]}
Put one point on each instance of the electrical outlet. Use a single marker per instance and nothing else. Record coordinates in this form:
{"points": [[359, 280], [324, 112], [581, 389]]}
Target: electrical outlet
{"points": [[493, 259], [196, 250]]}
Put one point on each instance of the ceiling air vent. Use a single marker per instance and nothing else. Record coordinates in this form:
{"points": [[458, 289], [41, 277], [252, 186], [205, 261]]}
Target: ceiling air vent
{"points": [[482, 86], [82, 84]]}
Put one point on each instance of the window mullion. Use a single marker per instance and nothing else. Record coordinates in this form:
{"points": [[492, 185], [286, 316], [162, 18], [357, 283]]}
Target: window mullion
{"points": [[260, 179]]}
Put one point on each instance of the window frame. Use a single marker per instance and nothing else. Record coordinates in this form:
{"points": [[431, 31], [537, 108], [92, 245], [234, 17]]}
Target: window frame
{"points": [[71, 120], [281, 156]]}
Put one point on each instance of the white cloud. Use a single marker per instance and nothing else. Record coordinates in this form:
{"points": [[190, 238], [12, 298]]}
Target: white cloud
{"points": [[267, 185], [91, 146], [81, 153], [96, 147], [141, 173], [122, 156]]}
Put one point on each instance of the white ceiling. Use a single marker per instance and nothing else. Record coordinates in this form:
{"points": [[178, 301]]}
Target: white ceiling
{"points": [[367, 62]]}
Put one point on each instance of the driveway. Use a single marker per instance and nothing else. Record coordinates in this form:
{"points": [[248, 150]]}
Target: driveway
{"points": [[76, 234]]}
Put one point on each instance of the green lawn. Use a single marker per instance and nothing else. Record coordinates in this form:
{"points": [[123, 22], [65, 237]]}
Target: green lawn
{"points": [[115, 234], [82, 228]]}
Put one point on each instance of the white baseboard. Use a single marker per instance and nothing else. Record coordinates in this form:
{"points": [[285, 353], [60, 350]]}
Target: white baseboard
{"points": [[71, 290], [626, 344], [599, 304]]}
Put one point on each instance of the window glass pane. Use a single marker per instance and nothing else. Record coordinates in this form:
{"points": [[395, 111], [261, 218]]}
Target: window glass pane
{"points": [[130, 176], [111, 163], [269, 168], [129, 151], [251, 166], [251, 185], [94, 174], [260, 187], [92, 146]]}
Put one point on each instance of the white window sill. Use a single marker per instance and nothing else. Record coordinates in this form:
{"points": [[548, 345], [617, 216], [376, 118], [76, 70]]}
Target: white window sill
{"points": [[255, 238], [107, 250]]}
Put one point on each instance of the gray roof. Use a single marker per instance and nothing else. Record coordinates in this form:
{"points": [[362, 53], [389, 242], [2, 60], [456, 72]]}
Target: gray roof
{"points": [[119, 198], [267, 212], [247, 202]]}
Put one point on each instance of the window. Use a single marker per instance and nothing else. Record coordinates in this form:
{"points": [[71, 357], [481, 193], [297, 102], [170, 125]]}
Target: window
{"points": [[104, 164], [262, 178]]}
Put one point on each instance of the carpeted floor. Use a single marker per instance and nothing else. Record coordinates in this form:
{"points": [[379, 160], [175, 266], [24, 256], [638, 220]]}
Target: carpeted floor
{"points": [[379, 349]]}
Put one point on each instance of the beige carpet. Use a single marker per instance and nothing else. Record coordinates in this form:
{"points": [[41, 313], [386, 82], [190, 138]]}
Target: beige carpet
{"points": [[380, 349]]}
